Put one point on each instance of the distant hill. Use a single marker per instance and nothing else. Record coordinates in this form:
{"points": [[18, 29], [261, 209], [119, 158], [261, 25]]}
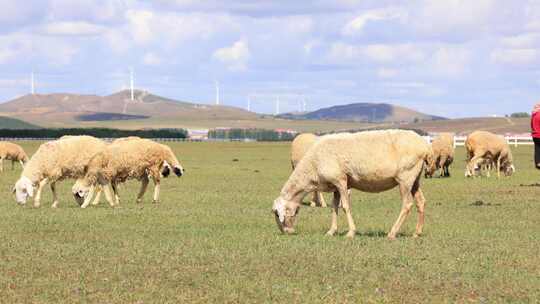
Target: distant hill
{"points": [[13, 123], [51, 109], [365, 112]]}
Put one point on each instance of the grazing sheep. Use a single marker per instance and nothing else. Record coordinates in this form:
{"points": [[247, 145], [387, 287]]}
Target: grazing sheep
{"points": [[55, 161], [373, 161], [127, 159], [485, 148], [299, 147], [13, 152], [443, 153]]}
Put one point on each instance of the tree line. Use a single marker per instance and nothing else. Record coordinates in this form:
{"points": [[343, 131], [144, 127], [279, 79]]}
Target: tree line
{"points": [[250, 134], [96, 132]]}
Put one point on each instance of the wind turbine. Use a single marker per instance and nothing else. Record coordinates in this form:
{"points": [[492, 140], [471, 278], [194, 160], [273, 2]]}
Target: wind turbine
{"points": [[32, 85], [249, 103], [131, 85], [277, 105], [217, 93]]}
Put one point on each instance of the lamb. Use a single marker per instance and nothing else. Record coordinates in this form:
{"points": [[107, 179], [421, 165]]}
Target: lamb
{"points": [[443, 152], [483, 148], [299, 147], [13, 152], [55, 161], [372, 161], [127, 159]]}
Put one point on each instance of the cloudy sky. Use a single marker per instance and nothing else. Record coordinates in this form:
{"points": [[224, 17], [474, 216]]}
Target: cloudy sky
{"points": [[448, 57]]}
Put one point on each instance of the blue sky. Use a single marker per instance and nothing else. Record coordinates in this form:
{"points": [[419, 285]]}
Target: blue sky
{"points": [[447, 57]]}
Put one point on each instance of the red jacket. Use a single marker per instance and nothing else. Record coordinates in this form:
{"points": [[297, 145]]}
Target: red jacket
{"points": [[535, 125]]}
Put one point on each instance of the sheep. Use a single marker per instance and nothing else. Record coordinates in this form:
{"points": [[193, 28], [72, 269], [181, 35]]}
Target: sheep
{"points": [[299, 147], [372, 161], [127, 159], [13, 152], [55, 161], [484, 148], [443, 152]]}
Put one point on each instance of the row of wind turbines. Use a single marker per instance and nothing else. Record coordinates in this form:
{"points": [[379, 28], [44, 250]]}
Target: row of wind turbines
{"points": [[298, 99]]}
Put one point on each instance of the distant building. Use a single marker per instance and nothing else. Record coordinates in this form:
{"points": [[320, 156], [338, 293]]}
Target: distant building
{"points": [[198, 134]]}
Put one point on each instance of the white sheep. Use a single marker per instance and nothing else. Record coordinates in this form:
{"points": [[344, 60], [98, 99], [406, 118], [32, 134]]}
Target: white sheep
{"points": [[443, 153], [127, 159], [13, 152], [55, 161], [372, 161], [484, 148], [299, 147]]}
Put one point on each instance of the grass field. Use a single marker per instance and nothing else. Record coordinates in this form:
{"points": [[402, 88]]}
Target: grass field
{"points": [[212, 239]]}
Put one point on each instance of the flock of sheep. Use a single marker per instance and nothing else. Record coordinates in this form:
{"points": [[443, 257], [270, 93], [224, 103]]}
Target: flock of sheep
{"points": [[372, 161], [95, 165], [377, 161]]}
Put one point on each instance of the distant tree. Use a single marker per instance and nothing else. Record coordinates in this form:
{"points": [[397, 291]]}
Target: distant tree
{"points": [[520, 115], [416, 120]]}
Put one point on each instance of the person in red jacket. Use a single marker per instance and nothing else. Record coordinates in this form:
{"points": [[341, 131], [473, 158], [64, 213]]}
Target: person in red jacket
{"points": [[535, 132]]}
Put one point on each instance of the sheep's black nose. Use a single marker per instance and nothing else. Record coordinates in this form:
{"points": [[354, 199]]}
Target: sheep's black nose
{"points": [[166, 171], [178, 172]]}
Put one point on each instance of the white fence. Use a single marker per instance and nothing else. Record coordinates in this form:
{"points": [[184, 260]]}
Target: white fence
{"points": [[512, 140]]}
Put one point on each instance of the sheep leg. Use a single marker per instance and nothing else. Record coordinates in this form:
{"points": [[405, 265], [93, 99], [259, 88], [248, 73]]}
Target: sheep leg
{"points": [[115, 191], [12, 165], [407, 202], [156, 191], [442, 161], [22, 164], [318, 200], [420, 205], [1, 165], [98, 195], [499, 167], [142, 191], [335, 209], [321, 200], [346, 205], [108, 194], [55, 196], [37, 198]]}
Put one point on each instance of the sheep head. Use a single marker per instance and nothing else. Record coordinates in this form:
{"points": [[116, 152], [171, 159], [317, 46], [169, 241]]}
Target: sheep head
{"points": [[166, 169], [508, 168], [80, 191], [23, 189], [285, 213]]}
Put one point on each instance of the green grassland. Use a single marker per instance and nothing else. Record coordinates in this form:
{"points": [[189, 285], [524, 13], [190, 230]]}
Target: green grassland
{"points": [[212, 239]]}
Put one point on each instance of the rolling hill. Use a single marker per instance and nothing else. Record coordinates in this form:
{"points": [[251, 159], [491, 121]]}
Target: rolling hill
{"points": [[145, 111], [13, 123], [366, 112]]}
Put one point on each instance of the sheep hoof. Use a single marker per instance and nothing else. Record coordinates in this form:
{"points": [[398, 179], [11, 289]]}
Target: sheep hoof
{"points": [[392, 237], [416, 235], [155, 202], [351, 234], [331, 232]]}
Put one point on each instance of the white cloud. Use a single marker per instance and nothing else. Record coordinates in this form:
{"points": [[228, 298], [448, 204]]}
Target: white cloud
{"points": [[378, 53], [526, 40], [151, 59], [235, 56], [74, 28], [387, 73], [435, 17], [450, 61], [140, 25], [515, 57], [356, 26]]}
